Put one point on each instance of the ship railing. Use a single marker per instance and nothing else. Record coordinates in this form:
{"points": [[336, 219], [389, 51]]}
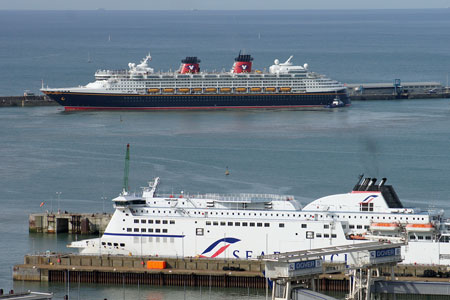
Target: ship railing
{"points": [[247, 198]]}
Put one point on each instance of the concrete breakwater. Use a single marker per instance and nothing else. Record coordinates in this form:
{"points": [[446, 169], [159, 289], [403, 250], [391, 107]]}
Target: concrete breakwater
{"points": [[65, 222], [13, 101], [183, 271]]}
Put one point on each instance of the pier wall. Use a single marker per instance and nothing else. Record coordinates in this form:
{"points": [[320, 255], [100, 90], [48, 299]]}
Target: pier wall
{"points": [[65, 222], [8, 101]]}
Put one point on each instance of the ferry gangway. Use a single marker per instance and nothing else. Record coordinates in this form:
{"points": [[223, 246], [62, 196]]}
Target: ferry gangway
{"points": [[291, 270]]}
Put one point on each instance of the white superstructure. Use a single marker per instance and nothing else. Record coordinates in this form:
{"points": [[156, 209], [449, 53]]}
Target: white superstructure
{"points": [[248, 225]]}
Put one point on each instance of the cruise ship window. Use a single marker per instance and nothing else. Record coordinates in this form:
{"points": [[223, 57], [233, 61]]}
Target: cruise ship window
{"points": [[164, 221], [129, 230], [420, 237], [359, 226], [333, 236], [222, 223], [116, 244], [136, 221], [366, 226], [237, 224], [208, 223], [103, 243], [143, 221], [109, 244], [143, 230], [304, 226], [150, 221], [215, 223], [281, 225], [259, 224], [244, 224], [351, 226], [318, 235], [230, 223], [136, 230], [252, 224], [326, 226], [150, 230], [122, 245], [428, 238], [157, 230], [326, 235], [412, 237], [172, 222], [266, 224], [158, 221], [164, 230]]}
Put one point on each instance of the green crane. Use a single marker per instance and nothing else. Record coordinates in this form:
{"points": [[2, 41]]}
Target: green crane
{"points": [[126, 170]]}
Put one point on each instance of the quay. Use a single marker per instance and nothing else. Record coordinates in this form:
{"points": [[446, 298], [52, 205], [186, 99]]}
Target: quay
{"points": [[22, 101], [104, 269], [65, 222]]}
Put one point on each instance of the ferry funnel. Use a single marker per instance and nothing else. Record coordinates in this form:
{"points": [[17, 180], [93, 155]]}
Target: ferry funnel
{"points": [[242, 63], [191, 64]]}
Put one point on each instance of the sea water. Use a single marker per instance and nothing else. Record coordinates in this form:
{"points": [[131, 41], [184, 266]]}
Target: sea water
{"points": [[75, 161]]}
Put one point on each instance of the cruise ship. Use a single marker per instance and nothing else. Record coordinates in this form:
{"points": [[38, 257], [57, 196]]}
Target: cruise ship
{"points": [[139, 87], [245, 226]]}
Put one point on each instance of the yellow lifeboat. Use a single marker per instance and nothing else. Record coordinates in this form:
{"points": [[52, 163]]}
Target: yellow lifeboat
{"points": [[197, 89], [357, 237], [168, 90], [384, 226], [153, 91], [255, 89], [210, 90], [225, 90], [427, 227], [270, 89], [241, 90], [184, 90], [285, 89]]}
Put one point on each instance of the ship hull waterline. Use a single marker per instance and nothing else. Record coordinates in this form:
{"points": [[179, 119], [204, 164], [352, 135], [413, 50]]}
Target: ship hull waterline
{"points": [[103, 101]]}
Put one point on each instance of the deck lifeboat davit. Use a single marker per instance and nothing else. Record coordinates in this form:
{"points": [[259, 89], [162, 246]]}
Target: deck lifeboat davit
{"points": [[424, 227], [391, 227]]}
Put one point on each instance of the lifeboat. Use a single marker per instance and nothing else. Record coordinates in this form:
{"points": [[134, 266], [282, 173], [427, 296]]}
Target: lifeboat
{"points": [[357, 237], [210, 90], [153, 90], [168, 90], [270, 89], [427, 227], [285, 89], [241, 90], [225, 90], [384, 226], [197, 89], [184, 90], [255, 89]]}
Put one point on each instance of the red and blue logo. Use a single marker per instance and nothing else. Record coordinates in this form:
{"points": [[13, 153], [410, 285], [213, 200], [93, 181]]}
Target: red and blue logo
{"points": [[218, 247], [369, 199]]}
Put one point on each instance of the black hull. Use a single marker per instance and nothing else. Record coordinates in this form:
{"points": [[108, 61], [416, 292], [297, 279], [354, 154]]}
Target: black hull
{"points": [[81, 101]]}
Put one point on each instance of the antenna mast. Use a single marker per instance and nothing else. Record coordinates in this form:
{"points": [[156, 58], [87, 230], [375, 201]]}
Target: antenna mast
{"points": [[126, 170]]}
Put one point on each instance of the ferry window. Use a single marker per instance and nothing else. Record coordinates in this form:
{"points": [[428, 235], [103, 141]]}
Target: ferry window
{"points": [[128, 229], [208, 223], [351, 226], [122, 245], [143, 230], [215, 223], [237, 223], [266, 224], [123, 220], [222, 223], [244, 224], [164, 221], [252, 224], [172, 222], [143, 221], [103, 243], [164, 230], [326, 226], [428, 238], [420, 237], [230, 223], [366, 226], [150, 221], [326, 235], [136, 221], [109, 244], [333, 236], [199, 231], [150, 230], [259, 224], [318, 235], [359, 226], [157, 230], [136, 230], [304, 226], [281, 225], [158, 221], [116, 244]]}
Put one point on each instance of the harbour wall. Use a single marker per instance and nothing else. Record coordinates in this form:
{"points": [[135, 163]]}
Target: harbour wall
{"points": [[22, 101], [65, 222], [236, 273]]}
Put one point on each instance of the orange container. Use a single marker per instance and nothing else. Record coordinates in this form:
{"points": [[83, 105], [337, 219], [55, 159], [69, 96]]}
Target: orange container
{"points": [[156, 264]]}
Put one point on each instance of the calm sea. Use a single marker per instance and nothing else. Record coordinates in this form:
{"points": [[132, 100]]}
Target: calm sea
{"points": [[308, 154]]}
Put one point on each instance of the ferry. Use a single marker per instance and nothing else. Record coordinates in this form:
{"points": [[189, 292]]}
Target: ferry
{"points": [[245, 226], [139, 87]]}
